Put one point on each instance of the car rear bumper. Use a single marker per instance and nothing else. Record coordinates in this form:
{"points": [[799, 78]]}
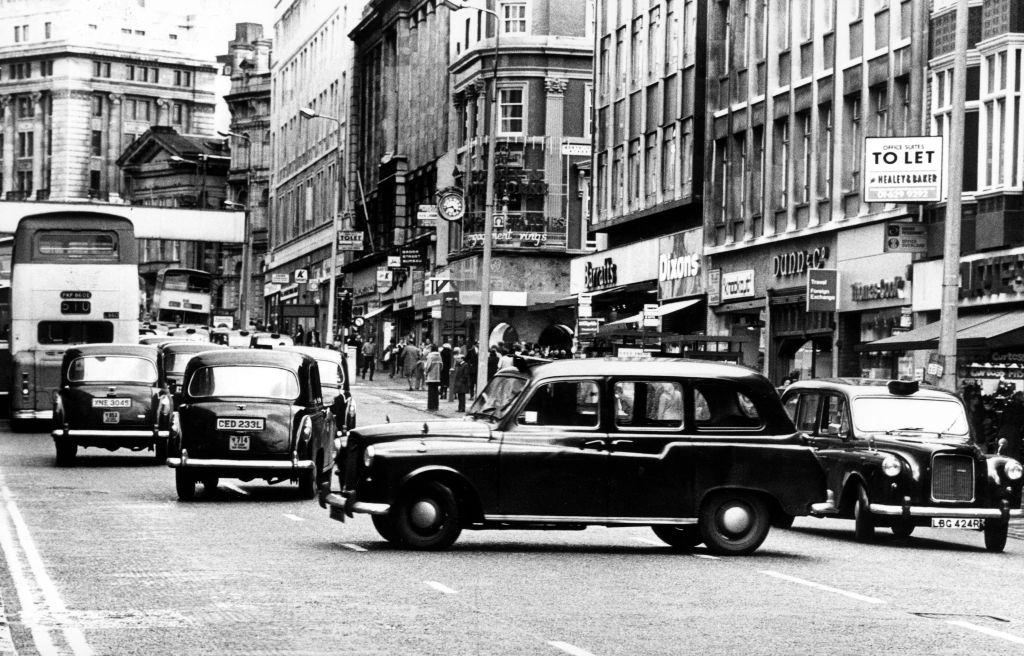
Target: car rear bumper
{"points": [[32, 414], [282, 466], [79, 433], [934, 511]]}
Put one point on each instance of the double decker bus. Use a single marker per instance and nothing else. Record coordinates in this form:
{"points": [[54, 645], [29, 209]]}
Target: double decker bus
{"points": [[74, 280], [183, 296]]}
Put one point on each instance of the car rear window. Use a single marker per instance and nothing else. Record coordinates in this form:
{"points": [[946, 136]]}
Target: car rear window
{"points": [[111, 368], [718, 406], [175, 363], [245, 381]]}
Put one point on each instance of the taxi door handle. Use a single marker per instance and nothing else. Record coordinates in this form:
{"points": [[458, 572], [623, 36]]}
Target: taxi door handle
{"points": [[618, 442], [592, 443]]}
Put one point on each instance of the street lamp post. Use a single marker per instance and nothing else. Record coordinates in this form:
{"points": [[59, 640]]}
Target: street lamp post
{"points": [[243, 292], [308, 113], [483, 341]]}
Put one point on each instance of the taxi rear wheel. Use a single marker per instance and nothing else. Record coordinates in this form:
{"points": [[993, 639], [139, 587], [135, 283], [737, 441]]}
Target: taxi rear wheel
{"points": [[66, 452], [185, 485], [734, 523], [309, 479], [995, 534], [210, 484], [680, 537], [160, 451], [427, 517], [863, 522]]}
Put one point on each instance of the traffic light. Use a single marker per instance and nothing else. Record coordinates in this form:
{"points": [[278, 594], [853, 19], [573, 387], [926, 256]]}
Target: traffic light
{"points": [[346, 308]]}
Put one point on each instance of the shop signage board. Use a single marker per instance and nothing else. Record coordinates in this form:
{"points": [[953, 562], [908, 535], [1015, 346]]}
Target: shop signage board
{"points": [[383, 277], [225, 320], [902, 237], [680, 267], [581, 150], [903, 169], [737, 284], [394, 261], [650, 315], [312, 286], [822, 290], [427, 216], [413, 257], [301, 276], [280, 278], [796, 263], [584, 305], [350, 240], [587, 327], [715, 287], [624, 265]]}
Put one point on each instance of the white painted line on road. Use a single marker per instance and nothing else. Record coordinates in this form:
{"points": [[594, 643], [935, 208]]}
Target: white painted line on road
{"points": [[26, 590], [51, 596], [987, 631], [294, 518], [440, 587], [235, 488], [353, 547], [706, 556], [569, 649], [821, 586]]}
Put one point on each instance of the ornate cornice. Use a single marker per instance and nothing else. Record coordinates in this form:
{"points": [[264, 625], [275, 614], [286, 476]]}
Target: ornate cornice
{"points": [[116, 98], [556, 85]]}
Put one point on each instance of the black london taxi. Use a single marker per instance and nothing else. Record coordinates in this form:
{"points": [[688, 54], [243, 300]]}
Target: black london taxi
{"points": [[251, 415], [265, 340], [110, 396], [699, 451], [174, 357], [899, 454], [334, 379]]}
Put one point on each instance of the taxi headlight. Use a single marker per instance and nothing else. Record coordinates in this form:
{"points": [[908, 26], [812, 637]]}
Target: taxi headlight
{"points": [[1013, 470], [891, 466], [368, 456]]}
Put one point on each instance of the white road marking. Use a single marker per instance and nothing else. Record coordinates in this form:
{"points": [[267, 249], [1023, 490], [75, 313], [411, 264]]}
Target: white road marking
{"points": [[569, 649], [821, 586], [235, 488], [440, 587], [706, 556], [294, 518], [353, 547], [29, 610], [987, 631], [43, 583]]}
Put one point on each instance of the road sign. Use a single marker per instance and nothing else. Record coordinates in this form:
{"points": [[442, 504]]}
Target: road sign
{"points": [[901, 237], [350, 240], [301, 276], [903, 169], [581, 150], [650, 315], [427, 216], [587, 327]]}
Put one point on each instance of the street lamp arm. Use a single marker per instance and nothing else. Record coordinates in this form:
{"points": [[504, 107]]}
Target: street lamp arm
{"points": [[455, 5]]}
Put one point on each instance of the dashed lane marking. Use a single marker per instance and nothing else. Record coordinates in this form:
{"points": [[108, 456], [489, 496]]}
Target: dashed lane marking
{"points": [[987, 631], [234, 488], [569, 649], [294, 518], [706, 557], [36, 584], [440, 587], [353, 547], [821, 586]]}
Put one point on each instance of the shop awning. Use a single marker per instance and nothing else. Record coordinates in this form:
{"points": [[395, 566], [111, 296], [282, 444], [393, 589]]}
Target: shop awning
{"points": [[375, 311], [973, 331], [667, 308]]}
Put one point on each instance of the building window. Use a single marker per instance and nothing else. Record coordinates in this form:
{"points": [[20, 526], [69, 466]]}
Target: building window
{"points": [[130, 75], [20, 33], [182, 78], [97, 143], [94, 181], [804, 188], [668, 162], [26, 143], [634, 172], [513, 17], [651, 168], [852, 144], [26, 107], [176, 114], [635, 52], [172, 37], [655, 44], [618, 180], [97, 106], [880, 99], [824, 150], [47, 30], [780, 168], [510, 110], [101, 69], [21, 71], [24, 181], [46, 67]]}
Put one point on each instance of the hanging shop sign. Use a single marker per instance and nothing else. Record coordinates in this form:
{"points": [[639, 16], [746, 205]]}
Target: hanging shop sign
{"points": [[715, 287], [427, 216], [384, 278], [822, 290], [796, 263], [280, 278], [599, 277], [902, 169], [737, 284], [588, 327], [881, 290], [679, 264], [412, 257], [301, 276], [902, 237], [394, 261], [350, 240]]}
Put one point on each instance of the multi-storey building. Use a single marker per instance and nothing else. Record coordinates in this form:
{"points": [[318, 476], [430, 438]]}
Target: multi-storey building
{"points": [[311, 63], [248, 64], [424, 80], [78, 86], [794, 88], [649, 144]]}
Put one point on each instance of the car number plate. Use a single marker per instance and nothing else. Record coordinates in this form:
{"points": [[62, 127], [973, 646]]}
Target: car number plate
{"points": [[230, 423], [111, 403], [971, 523], [238, 442], [113, 417]]}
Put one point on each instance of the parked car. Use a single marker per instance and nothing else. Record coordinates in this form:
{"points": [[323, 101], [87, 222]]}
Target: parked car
{"points": [[110, 397], [251, 415], [156, 340], [264, 340], [174, 356], [334, 379], [234, 337], [190, 333], [900, 455], [699, 451]]}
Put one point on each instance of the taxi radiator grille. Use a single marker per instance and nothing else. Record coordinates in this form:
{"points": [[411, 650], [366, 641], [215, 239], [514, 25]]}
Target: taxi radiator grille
{"points": [[952, 478]]}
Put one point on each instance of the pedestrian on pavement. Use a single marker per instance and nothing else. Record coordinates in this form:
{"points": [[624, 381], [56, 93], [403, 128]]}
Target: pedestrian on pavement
{"points": [[506, 359], [460, 379], [386, 358], [1010, 426], [446, 365], [410, 356], [472, 361], [300, 335], [421, 366], [369, 357], [492, 362], [432, 373]]}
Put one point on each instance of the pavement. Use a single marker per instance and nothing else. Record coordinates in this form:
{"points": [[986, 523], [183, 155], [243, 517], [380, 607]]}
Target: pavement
{"points": [[398, 392]]}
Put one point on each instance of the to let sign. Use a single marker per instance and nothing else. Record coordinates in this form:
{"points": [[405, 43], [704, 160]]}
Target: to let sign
{"points": [[350, 240], [822, 290], [902, 169]]}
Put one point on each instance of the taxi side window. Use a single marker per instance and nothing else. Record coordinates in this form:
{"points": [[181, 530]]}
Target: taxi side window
{"points": [[563, 403], [807, 419], [790, 406], [719, 405], [315, 394], [648, 404], [835, 415]]}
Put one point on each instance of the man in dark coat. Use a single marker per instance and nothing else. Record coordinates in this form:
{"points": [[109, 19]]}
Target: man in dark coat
{"points": [[1010, 426], [446, 365]]}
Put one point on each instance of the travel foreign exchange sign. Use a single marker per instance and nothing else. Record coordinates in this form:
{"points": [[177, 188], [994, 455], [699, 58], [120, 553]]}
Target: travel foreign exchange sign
{"points": [[902, 169], [822, 290]]}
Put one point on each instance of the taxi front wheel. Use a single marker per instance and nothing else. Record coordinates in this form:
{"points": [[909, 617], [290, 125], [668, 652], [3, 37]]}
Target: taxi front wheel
{"points": [[427, 517], [680, 537], [734, 522], [995, 534], [185, 485]]}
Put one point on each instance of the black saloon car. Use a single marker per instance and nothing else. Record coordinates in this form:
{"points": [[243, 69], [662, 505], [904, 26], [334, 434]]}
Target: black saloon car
{"points": [[251, 415], [333, 366], [110, 397], [900, 455], [701, 452]]}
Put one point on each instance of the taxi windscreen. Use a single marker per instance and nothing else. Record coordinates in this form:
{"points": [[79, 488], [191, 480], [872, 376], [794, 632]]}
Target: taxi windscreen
{"points": [[245, 381]]}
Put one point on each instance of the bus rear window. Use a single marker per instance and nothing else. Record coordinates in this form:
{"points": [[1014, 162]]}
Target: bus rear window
{"points": [[53, 244], [76, 332]]}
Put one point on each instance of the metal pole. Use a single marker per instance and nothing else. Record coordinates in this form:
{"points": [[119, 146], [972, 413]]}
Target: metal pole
{"points": [[243, 299], [331, 293], [951, 250], [483, 342]]}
